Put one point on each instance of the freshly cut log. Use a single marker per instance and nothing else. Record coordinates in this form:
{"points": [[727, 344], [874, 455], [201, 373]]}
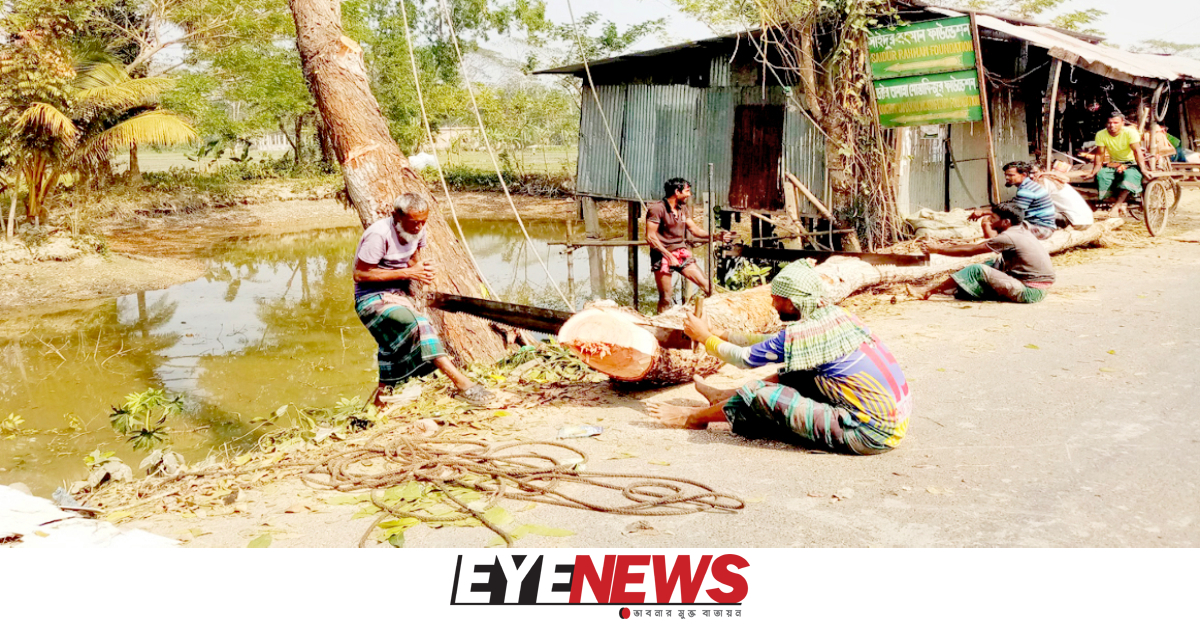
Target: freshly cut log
{"points": [[611, 341], [595, 329]]}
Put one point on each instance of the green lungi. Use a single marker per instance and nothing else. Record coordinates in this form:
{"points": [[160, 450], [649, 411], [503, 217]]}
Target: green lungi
{"points": [[1130, 180], [982, 282], [407, 341]]}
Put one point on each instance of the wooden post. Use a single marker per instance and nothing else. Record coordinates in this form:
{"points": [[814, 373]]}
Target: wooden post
{"points": [[1152, 158], [591, 225], [570, 253], [993, 177], [632, 234], [1055, 73]]}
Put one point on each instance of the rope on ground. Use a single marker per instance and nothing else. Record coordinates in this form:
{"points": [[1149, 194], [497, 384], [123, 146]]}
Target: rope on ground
{"points": [[495, 162], [412, 59], [522, 470]]}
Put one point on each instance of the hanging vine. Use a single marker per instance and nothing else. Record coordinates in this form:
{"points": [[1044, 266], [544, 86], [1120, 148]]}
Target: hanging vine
{"points": [[823, 45]]}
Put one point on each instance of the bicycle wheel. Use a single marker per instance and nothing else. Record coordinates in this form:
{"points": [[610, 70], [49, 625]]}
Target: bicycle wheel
{"points": [[1156, 203]]}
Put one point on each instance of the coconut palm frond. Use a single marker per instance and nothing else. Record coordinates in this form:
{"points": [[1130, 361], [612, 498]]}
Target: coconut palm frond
{"points": [[47, 119], [121, 96], [152, 128], [98, 70]]}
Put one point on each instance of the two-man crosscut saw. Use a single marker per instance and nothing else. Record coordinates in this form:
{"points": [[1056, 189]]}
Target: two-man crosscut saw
{"points": [[539, 319]]}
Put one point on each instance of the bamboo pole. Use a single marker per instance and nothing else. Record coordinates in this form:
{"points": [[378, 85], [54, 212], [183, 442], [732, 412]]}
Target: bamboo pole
{"points": [[993, 178], [1056, 72]]}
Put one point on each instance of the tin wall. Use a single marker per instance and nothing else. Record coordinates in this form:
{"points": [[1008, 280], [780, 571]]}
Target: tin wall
{"points": [[667, 131]]}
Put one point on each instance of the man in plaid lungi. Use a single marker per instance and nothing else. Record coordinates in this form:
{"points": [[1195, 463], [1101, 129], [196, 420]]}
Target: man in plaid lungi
{"points": [[385, 264]]}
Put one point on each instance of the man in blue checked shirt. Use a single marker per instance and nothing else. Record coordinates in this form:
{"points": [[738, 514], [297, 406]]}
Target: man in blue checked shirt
{"points": [[1032, 199]]}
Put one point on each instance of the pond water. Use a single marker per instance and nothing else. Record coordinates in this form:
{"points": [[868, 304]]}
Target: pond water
{"points": [[271, 322]]}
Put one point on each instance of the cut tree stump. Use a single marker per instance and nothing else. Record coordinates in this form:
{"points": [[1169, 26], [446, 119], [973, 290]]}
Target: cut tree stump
{"points": [[610, 342]]}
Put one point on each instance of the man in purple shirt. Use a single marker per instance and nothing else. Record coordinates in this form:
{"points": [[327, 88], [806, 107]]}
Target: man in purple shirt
{"points": [[386, 263]]}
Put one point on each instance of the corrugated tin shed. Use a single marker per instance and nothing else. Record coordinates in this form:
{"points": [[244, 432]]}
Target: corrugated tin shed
{"points": [[1146, 70]]}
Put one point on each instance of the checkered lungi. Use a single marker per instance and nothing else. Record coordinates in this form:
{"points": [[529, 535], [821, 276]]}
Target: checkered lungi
{"points": [[982, 282], [407, 341]]}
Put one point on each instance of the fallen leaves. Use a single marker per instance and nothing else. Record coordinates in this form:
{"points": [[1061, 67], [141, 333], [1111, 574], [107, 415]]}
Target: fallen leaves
{"points": [[260, 542]]}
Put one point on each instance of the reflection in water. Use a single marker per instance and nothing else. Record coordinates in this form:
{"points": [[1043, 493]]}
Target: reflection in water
{"points": [[271, 322]]}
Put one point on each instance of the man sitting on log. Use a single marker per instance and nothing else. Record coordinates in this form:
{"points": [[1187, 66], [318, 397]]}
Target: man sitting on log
{"points": [[1022, 274], [385, 264], [839, 389], [667, 224]]}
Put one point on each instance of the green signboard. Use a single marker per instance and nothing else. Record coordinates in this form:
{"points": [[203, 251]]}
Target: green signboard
{"points": [[932, 99], [922, 48]]}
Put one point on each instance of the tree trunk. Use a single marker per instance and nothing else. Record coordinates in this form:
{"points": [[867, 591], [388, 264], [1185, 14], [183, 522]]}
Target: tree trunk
{"points": [[598, 339], [12, 208], [328, 155], [374, 169], [299, 145], [135, 173]]}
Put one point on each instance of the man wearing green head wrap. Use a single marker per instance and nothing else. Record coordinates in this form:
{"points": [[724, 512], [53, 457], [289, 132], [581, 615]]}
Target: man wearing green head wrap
{"points": [[839, 388]]}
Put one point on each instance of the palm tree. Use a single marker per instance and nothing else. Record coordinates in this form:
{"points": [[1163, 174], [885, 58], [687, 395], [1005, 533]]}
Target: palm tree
{"points": [[102, 110]]}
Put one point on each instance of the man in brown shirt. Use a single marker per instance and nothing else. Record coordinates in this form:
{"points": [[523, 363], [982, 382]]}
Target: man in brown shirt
{"points": [[667, 224]]}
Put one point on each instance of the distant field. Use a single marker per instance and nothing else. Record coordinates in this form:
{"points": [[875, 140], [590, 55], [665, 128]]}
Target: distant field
{"points": [[154, 161], [550, 160]]}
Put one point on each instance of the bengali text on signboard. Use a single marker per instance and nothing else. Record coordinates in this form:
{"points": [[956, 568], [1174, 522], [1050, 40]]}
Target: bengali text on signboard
{"points": [[932, 99], [922, 48]]}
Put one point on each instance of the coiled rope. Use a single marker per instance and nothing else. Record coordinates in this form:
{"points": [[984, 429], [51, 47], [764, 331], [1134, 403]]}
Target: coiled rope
{"points": [[523, 470]]}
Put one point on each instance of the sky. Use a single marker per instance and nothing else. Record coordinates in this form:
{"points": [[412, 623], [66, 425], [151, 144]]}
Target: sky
{"points": [[1124, 24]]}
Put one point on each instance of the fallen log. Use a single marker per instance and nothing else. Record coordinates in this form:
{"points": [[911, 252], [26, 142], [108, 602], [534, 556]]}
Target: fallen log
{"points": [[609, 341]]}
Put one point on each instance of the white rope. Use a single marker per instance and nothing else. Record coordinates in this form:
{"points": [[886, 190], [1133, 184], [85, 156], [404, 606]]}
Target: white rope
{"points": [[495, 163], [437, 162], [596, 97]]}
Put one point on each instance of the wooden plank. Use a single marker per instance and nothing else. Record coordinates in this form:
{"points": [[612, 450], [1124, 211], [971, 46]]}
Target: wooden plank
{"points": [[993, 178], [809, 195]]}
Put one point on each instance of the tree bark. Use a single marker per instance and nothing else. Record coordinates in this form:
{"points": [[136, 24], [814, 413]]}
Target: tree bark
{"points": [[374, 169], [751, 310], [299, 145], [328, 155], [12, 208], [135, 173]]}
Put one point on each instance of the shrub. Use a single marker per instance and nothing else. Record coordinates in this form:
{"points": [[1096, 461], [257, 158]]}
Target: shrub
{"points": [[471, 179]]}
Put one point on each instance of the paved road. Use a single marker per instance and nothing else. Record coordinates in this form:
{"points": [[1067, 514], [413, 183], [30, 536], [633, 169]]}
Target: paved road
{"points": [[1068, 423]]}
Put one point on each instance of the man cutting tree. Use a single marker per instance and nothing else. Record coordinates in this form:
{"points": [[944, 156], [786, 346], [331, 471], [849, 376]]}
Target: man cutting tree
{"points": [[386, 262]]}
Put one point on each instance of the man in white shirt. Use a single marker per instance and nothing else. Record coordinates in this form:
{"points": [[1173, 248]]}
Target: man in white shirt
{"points": [[1070, 209], [386, 262]]}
